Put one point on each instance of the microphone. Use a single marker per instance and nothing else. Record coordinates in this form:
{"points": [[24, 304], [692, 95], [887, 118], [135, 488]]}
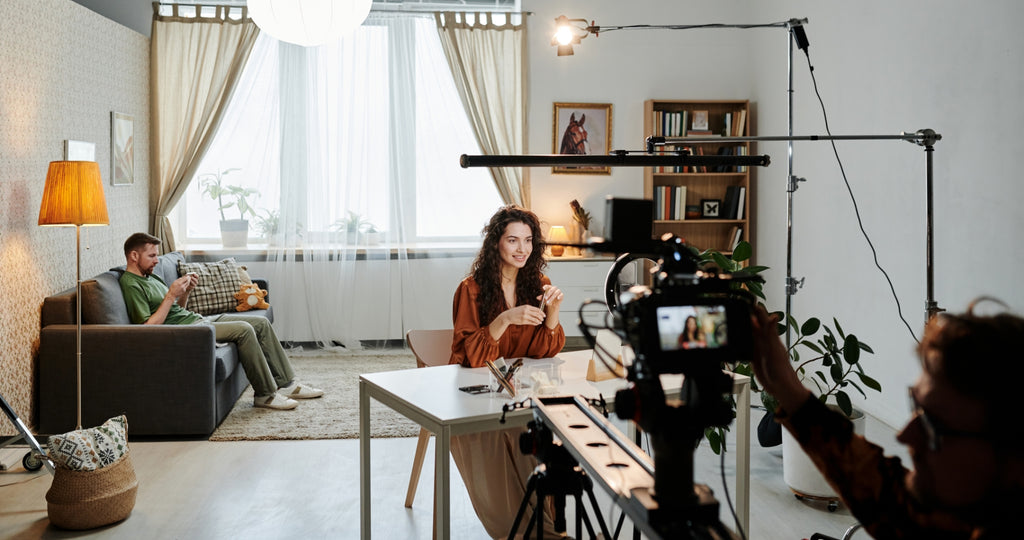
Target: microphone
{"points": [[925, 137], [801, 37]]}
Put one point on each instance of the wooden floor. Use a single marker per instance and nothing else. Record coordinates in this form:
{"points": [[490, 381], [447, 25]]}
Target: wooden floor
{"points": [[310, 489]]}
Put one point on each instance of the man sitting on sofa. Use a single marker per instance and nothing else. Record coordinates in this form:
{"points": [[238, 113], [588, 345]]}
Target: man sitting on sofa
{"points": [[151, 301]]}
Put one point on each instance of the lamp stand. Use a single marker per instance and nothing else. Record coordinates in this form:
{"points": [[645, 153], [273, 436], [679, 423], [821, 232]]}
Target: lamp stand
{"points": [[78, 326]]}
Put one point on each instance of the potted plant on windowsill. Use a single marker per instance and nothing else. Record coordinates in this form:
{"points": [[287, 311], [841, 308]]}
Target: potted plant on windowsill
{"points": [[373, 234], [268, 223], [351, 226], [233, 232]]}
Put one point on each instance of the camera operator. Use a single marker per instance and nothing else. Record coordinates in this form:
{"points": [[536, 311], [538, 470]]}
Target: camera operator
{"points": [[964, 436]]}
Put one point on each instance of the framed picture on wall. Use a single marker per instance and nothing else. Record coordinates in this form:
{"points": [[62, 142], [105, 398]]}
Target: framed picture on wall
{"points": [[582, 129], [122, 149]]}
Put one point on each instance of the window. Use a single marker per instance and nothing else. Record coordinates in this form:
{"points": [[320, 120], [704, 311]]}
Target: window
{"points": [[371, 126]]}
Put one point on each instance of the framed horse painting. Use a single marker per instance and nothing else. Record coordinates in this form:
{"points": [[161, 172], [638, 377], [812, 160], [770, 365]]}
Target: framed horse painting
{"points": [[582, 128]]}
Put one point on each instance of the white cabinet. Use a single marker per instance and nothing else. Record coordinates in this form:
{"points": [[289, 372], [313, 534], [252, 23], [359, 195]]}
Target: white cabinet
{"points": [[579, 279]]}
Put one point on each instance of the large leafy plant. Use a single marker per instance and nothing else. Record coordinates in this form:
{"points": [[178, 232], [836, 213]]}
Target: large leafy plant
{"points": [[735, 263], [833, 364]]}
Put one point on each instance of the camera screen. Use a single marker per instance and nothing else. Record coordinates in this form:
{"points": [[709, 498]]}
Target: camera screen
{"points": [[691, 327]]}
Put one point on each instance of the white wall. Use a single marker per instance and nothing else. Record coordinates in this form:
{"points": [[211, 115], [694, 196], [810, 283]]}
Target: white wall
{"points": [[882, 68]]}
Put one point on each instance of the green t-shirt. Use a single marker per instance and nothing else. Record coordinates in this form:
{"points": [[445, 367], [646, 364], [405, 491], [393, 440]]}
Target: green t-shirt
{"points": [[143, 295]]}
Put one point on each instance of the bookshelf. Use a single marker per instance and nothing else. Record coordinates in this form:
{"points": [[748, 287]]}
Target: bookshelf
{"points": [[675, 190]]}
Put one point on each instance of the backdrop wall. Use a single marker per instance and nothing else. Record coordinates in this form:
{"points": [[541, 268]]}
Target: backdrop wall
{"points": [[882, 68]]}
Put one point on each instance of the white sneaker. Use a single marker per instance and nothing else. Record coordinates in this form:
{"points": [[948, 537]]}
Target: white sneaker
{"points": [[297, 390], [275, 401]]}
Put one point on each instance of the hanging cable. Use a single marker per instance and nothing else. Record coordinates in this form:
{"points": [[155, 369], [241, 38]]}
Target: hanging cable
{"points": [[856, 210]]}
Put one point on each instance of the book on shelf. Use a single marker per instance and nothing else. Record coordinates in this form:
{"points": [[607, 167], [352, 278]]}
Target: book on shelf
{"points": [[728, 124], [699, 133], [729, 203], [669, 203], [735, 235], [741, 195], [739, 124]]}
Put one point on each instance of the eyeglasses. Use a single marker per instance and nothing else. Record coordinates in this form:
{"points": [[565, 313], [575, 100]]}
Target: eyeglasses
{"points": [[935, 430]]}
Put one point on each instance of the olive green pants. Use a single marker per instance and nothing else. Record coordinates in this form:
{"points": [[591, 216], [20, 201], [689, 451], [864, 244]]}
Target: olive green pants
{"points": [[259, 351]]}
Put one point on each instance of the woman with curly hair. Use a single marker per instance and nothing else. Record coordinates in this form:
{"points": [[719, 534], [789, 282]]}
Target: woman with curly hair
{"points": [[505, 308]]}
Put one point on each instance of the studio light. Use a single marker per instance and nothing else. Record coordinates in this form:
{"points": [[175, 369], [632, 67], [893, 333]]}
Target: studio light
{"points": [[309, 22], [569, 32]]}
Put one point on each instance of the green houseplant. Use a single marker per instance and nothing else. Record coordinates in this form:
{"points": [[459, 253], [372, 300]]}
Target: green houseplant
{"points": [[351, 226], [234, 232], [834, 367], [268, 223]]}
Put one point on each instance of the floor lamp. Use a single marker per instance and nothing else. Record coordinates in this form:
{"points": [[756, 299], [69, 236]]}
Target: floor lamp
{"points": [[73, 196]]}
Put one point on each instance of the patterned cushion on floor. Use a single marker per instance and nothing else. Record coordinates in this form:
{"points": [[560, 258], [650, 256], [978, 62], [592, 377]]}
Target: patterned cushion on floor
{"points": [[91, 449]]}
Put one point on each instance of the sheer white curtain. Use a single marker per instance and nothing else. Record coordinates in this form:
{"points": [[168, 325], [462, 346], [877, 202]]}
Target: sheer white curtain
{"points": [[365, 132]]}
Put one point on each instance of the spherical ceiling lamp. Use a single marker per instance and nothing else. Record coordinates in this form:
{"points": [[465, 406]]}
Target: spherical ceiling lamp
{"points": [[309, 22]]}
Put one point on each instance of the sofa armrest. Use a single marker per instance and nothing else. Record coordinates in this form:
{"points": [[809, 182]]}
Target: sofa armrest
{"points": [[161, 372]]}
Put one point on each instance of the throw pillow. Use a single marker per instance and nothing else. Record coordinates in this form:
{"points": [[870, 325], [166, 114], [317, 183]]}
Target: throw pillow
{"points": [[90, 449], [218, 283], [250, 296]]}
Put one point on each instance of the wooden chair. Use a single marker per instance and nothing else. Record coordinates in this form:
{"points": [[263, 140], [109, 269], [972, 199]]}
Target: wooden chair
{"points": [[431, 348]]}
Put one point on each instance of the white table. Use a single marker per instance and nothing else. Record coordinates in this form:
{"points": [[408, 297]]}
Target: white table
{"points": [[430, 397]]}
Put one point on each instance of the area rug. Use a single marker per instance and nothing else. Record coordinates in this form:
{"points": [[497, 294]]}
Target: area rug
{"points": [[333, 416]]}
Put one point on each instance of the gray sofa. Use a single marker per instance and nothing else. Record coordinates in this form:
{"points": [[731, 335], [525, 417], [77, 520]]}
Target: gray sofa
{"points": [[170, 380]]}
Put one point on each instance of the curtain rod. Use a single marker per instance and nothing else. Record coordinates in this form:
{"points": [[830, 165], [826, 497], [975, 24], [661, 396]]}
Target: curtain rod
{"points": [[234, 4]]}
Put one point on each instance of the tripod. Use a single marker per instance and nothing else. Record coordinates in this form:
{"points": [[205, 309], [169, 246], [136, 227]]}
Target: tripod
{"points": [[30, 461], [559, 476]]}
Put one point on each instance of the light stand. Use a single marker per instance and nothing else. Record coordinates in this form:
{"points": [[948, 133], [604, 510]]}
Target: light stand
{"points": [[73, 196]]}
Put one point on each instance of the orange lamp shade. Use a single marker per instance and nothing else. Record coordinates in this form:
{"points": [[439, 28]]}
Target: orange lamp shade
{"points": [[73, 195]]}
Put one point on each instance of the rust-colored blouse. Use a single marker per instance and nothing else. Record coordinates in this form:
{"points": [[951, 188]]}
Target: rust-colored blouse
{"points": [[473, 344]]}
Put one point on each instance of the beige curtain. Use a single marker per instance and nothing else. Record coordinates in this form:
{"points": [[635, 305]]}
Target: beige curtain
{"points": [[488, 64], [195, 63]]}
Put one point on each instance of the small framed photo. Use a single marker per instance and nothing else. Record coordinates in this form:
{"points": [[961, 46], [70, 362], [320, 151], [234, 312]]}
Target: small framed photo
{"points": [[582, 129], [710, 208], [122, 149], [700, 121], [79, 151]]}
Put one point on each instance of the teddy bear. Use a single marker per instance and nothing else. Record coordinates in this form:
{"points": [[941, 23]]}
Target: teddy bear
{"points": [[250, 296]]}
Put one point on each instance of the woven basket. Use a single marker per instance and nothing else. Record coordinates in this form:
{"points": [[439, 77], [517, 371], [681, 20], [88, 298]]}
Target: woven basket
{"points": [[89, 499]]}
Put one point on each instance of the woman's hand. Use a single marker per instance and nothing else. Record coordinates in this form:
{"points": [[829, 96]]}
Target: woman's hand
{"points": [[528, 315], [551, 302], [551, 299], [771, 363]]}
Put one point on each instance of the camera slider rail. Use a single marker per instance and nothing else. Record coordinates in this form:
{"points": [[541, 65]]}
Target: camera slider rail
{"points": [[622, 469]]}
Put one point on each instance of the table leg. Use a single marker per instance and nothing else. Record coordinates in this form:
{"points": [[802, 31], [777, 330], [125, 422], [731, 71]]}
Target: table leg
{"points": [[743, 457], [364, 461], [442, 487]]}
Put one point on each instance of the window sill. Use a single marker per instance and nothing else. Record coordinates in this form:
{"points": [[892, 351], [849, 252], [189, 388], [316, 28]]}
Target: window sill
{"points": [[264, 252]]}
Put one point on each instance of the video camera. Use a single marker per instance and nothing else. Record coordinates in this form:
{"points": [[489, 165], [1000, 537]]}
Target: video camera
{"points": [[688, 318]]}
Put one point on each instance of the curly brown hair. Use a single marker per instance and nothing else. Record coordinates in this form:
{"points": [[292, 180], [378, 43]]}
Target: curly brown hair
{"points": [[486, 269]]}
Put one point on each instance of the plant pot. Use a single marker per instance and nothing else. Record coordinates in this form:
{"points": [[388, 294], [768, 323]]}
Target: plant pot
{"points": [[352, 238], [234, 232], [373, 238], [799, 472]]}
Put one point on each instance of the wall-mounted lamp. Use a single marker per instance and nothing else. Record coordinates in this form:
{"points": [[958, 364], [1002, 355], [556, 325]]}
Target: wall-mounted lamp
{"points": [[569, 32]]}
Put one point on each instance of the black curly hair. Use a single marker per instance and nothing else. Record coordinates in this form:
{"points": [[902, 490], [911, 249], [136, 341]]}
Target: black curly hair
{"points": [[486, 269]]}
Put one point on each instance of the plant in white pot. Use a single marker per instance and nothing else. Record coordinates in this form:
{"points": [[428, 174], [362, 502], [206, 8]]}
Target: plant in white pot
{"points": [[268, 223], [352, 226], [233, 232], [832, 371], [373, 234]]}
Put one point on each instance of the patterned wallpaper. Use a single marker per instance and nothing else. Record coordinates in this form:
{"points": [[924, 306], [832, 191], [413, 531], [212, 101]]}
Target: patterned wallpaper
{"points": [[63, 69]]}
